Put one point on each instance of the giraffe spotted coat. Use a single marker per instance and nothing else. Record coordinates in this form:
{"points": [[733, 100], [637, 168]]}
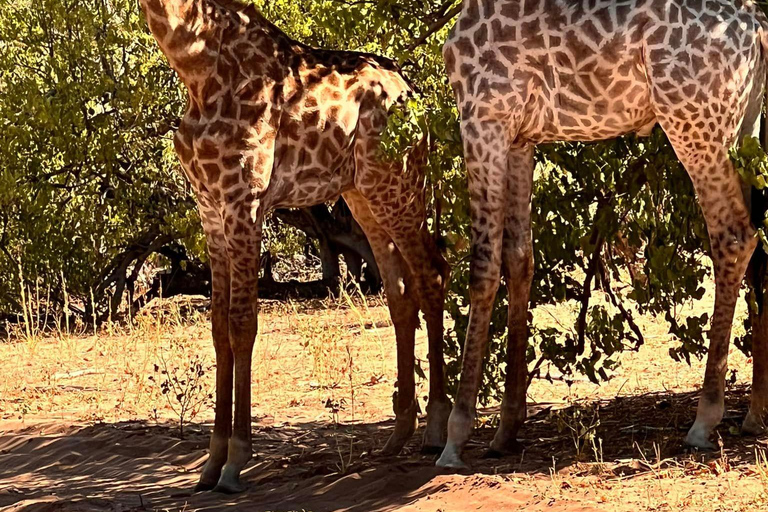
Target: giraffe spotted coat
{"points": [[532, 71], [274, 123]]}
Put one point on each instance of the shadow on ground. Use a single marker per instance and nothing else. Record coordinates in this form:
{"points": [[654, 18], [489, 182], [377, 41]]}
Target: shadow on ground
{"points": [[314, 466]]}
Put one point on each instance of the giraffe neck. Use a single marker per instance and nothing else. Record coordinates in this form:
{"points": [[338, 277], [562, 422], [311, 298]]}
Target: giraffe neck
{"points": [[188, 34]]}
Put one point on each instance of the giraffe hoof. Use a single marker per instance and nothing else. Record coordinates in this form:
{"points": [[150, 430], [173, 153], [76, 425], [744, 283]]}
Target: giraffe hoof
{"points": [[450, 459], [229, 483], [391, 449], [752, 426], [203, 487], [700, 443], [499, 450], [229, 488], [403, 432]]}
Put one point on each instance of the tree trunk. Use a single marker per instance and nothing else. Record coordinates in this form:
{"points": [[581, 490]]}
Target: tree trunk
{"points": [[338, 234]]}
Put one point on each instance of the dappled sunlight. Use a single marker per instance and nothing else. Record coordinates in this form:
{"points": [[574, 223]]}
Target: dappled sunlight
{"points": [[103, 435]]}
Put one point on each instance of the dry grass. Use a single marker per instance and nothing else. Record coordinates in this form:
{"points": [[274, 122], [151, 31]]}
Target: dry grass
{"points": [[609, 447]]}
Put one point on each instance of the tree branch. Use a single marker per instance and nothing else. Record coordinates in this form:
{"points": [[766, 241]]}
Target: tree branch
{"points": [[586, 293], [624, 313], [435, 26]]}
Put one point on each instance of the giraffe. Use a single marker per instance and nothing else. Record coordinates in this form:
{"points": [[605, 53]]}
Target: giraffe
{"points": [[273, 123], [531, 71]]}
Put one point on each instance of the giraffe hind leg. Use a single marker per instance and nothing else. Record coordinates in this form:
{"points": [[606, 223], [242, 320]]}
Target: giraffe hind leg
{"points": [[732, 240], [405, 226], [396, 198], [517, 268], [403, 308]]}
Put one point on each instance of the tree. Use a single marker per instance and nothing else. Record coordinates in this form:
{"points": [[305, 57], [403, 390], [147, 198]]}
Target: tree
{"points": [[88, 175], [90, 188]]}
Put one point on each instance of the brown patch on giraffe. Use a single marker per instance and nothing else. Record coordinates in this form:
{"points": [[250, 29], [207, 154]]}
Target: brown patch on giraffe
{"points": [[613, 49], [465, 47], [511, 53], [532, 34], [207, 150], [158, 27], [183, 147], [577, 47], [490, 64], [500, 33], [510, 9], [212, 172], [489, 8], [480, 36], [231, 161], [471, 18]]}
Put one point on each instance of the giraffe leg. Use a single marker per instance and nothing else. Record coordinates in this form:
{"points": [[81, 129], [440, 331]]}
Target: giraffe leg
{"points": [[702, 126], [517, 267], [732, 240], [430, 274], [244, 249], [222, 428], [486, 151], [395, 196], [404, 310], [405, 225], [432, 305], [755, 421]]}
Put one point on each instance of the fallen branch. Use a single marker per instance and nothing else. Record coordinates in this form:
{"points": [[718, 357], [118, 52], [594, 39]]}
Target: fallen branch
{"points": [[78, 373]]}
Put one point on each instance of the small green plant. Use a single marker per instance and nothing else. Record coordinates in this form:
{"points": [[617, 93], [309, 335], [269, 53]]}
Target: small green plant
{"points": [[184, 386], [344, 463], [581, 424]]}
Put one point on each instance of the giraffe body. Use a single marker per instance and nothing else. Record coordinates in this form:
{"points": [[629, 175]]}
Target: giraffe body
{"points": [[531, 71], [273, 123]]}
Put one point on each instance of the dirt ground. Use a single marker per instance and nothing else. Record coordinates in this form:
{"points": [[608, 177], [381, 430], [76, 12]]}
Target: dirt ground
{"points": [[85, 425]]}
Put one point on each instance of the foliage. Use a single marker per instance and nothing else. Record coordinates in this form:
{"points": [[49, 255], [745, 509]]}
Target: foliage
{"points": [[752, 164], [88, 103], [87, 106]]}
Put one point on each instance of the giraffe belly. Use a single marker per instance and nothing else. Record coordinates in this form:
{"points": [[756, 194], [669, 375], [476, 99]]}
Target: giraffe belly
{"points": [[602, 118], [301, 178], [595, 102]]}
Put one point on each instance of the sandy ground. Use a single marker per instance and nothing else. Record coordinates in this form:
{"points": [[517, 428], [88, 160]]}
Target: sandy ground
{"points": [[86, 427]]}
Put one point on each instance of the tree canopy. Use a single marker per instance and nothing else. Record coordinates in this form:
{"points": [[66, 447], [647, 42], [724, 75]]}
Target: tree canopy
{"points": [[90, 186]]}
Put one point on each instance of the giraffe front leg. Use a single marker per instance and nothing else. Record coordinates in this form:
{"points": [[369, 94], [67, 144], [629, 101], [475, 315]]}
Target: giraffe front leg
{"points": [[244, 249], [712, 400], [220, 278], [486, 151], [733, 241]]}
